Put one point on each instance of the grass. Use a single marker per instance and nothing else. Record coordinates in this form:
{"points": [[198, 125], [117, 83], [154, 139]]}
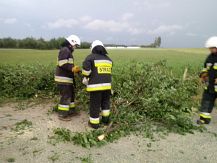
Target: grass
{"points": [[11, 160], [178, 59], [21, 105], [54, 157], [87, 159], [34, 138], [37, 151], [61, 134], [22, 125]]}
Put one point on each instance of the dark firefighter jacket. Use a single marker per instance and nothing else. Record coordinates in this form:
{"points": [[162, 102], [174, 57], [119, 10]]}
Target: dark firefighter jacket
{"points": [[210, 67], [65, 62], [98, 68]]}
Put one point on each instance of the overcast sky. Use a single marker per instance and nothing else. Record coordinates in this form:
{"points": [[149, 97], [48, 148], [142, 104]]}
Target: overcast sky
{"points": [[180, 23]]}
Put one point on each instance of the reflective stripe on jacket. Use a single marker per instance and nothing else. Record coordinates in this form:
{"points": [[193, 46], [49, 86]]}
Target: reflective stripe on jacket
{"points": [[98, 68], [65, 62]]}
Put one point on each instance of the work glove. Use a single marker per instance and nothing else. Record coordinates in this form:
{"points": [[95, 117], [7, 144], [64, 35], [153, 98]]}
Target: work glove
{"points": [[85, 81], [76, 69]]}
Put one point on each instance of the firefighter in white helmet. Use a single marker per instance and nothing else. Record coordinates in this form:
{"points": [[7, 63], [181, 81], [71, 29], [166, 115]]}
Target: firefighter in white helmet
{"points": [[64, 77], [97, 71], [209, 78]]}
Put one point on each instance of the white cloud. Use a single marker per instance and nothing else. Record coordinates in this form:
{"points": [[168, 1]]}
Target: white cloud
{"points": [[166, 29], [191, 34], [115, 26], [85, 19], [151, 5], [110, 25], [136, 30], [127, 16], [28, 25], [8, 20], [63, 23], [122, 24]]}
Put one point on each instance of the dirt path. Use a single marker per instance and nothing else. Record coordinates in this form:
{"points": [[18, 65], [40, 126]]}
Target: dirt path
{"points": [[32, 145]]}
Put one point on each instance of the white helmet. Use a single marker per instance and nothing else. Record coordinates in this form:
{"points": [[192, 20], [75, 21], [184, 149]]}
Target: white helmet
{"points": [[96, 43], [211, 42], [74, 40]]}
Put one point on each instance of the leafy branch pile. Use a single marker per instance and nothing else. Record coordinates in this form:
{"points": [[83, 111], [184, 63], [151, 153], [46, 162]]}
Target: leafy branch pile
{"points": [[26, 81], [147, 98]]}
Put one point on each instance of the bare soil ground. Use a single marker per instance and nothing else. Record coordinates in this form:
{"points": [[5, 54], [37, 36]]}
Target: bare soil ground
{"points": [[32, 145]]}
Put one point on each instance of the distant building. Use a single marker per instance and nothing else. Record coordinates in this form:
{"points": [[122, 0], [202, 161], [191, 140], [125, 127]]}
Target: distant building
{"points": [[123, 47], [133, 47]]}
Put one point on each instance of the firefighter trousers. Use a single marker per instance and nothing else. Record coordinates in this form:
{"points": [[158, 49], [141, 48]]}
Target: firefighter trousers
{"points": [[99, 102], [67, 99], [207, 105]]}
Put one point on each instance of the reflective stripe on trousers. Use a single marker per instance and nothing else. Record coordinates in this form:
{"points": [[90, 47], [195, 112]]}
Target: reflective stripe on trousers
{"points": [[63, 107], [72, 105], [94, 120], [105, 113], [205, 115]]}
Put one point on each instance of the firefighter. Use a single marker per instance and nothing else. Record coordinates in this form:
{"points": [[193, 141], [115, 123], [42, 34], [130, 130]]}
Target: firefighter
{"points": [[209, 78], [64, 77], [97, 70]]}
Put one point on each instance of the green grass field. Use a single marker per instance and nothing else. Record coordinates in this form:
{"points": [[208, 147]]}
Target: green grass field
{"points": [[178, 59]]}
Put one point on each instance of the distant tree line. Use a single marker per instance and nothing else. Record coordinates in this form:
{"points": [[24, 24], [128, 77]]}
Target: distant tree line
{"points": [[155, 44], [32, 43], [55, 43]]}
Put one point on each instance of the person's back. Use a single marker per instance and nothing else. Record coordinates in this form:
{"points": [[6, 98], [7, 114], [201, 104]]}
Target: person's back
{"points": [[97, 69], [64, 77], [101, 68]]}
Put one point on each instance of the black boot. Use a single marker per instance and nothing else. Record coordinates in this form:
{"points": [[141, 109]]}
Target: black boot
{"points": [[106, 120], [64, 115], [73, 112], [203, 121], [94, 126]]}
